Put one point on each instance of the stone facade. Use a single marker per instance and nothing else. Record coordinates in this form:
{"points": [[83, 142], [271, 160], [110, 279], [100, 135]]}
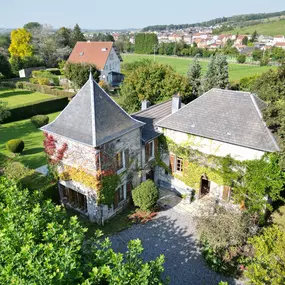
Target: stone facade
{"points": [[82, 156]]}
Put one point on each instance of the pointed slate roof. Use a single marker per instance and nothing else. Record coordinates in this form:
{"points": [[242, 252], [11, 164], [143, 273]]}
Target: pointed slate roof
{"points": [[229, 116], [92, 118]]}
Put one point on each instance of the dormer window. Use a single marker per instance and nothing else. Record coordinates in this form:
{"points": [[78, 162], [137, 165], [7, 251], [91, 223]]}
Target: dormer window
{"points": [[81, 53], [104, 49]]}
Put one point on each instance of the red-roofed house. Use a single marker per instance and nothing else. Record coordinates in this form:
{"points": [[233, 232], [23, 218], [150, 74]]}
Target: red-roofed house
{"points": [[102, 54], [280, 45]]}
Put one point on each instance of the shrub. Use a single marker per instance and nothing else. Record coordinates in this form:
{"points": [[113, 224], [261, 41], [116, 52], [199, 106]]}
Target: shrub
{"points": [[15, 145], [40, 120], [44, 77], [241, 58], [19, 85], [45, 89], [145, 195]]}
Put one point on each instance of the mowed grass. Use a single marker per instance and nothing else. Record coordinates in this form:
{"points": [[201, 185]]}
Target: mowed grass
{"points": [[33, 155], [17, 97], [269, 29], [181, 65]]}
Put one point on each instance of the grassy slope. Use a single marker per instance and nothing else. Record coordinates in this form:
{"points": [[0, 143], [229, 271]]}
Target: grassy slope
{"points": [[33, 155], [16, 97], [267, 28], [181, 65]]}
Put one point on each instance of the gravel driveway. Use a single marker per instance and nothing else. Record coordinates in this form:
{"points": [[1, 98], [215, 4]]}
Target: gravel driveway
{"points": [[172, 233]]}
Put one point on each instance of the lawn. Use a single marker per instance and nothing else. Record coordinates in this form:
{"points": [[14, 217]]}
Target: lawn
{"points": [[181, 65], [33, 155], [17, 97], [269, 29]]}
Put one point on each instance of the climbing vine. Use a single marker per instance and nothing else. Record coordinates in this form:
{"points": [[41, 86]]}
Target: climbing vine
{"points": [[221, 170]]}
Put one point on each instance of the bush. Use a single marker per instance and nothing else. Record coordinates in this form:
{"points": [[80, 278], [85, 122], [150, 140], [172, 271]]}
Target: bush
{"points": [[145, 195], [45, 77], [19, 85], [40, 120], [27, 111], [44, 89], [241, 58], [15, 146]]}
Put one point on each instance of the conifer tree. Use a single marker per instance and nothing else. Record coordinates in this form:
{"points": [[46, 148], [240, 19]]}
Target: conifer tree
{"points": [[210, 77], [76, 36], [222, 72], [194, 76]]}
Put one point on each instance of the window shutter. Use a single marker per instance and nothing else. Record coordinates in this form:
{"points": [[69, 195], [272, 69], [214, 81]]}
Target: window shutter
{"points": [[127, 157], [226, 193], [171, 162], [129, 189], [185, 165], [146, 152], [156, 146]]}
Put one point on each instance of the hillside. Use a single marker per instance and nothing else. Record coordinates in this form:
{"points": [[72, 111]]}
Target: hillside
{"points": [[234, 21], [268, 29]]}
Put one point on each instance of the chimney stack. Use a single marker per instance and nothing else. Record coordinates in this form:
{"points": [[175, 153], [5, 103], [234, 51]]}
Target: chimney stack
{"points": [[176, 103], [145, 104]]}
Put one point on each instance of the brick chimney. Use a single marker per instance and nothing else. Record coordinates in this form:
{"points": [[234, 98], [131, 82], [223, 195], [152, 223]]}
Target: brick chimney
{"points": [[145, 104], [176, 103]]}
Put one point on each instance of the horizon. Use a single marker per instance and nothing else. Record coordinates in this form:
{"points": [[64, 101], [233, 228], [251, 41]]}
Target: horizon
{"points": [[125, 16]]}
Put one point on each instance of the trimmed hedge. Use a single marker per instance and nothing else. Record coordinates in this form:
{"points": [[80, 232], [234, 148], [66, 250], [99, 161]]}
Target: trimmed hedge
{"points": [[40, 120], [15, 145], [43, 89], [43, 107]]}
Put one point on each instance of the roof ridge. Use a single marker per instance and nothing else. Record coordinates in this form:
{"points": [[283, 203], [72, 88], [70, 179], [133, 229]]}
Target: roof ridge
{"points": [[151, 107], [253, 97], [184, 106], [93, 109]]}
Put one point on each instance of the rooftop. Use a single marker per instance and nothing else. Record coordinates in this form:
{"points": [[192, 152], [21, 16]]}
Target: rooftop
{"points": [[92, 118], [95, 53], [229, 116]]}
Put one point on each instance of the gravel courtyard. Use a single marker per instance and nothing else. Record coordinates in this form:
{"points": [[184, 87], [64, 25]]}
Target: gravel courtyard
{"points": [[172, 233]]}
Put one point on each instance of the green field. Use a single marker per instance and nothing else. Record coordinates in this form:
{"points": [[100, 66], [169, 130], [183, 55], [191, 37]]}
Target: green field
{"points": [[33, 155], [17, 97], [269, 29], [181, 65]]}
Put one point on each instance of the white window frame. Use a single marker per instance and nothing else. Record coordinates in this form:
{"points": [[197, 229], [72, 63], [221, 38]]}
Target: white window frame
{"points": [[123, 162], [151, 146]]}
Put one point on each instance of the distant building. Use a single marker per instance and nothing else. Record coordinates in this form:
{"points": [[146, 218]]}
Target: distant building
{"points": [[104, 55], [280, 45], [279, 39]]}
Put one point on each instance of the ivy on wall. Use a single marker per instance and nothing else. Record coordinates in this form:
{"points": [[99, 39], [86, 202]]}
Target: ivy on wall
{"points": [[221, 170]]}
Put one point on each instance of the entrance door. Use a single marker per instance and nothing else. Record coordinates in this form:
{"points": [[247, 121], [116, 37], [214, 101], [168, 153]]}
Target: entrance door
{"points": [[205, 186], [150, 175]]}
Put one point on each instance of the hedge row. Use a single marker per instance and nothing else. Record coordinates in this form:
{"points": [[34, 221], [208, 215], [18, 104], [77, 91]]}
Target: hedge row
{"points": [[41, 107], [43, 89]]}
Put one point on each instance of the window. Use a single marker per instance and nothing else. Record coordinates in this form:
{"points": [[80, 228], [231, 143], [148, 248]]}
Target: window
{"points": [[121, 195], [75, 199], [179, 164], [120, 160], [151, 149]]}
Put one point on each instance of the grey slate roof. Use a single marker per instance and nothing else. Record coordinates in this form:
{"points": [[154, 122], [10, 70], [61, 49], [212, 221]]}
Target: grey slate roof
{"points": [[150, 116], [92, 117], [229, 116]]}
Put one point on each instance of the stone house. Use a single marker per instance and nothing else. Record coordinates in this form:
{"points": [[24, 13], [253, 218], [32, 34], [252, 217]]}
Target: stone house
{"points": [[94, 141], [218, 124], [93, 138], [104, 55]]}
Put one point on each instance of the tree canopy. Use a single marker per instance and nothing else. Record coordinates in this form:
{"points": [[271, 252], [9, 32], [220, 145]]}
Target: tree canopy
{"points": [[76, 36], [21, 43], [145, 43], [40, 244], [155, 82]]}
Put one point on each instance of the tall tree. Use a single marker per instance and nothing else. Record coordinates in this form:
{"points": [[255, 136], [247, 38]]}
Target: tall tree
{"points": [[31, 26], [21, 43], [76, 36], [222, 72], [5, 68], [63, 36], [210, 76], [145, 43], [194, 77]]}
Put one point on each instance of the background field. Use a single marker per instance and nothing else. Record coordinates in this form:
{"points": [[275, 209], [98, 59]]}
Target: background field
{"points": [[17, 97], [269, 29], [181, 65], [33, 155]]}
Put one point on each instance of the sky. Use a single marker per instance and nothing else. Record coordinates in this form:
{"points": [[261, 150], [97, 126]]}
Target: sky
{"points": [[111, 14]]}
